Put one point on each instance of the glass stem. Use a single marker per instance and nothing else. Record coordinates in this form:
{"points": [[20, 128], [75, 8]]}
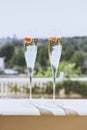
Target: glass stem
{"points": [[30, 87], [54, 80], [30, 78], [54, 87]]}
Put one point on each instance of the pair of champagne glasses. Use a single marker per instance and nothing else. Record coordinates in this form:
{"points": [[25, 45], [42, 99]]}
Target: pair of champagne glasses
{"points": [[54, 51]]}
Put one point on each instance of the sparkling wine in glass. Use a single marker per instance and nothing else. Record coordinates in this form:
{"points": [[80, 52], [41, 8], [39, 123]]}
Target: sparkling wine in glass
{"points": [[30, 46], [54, 50]]}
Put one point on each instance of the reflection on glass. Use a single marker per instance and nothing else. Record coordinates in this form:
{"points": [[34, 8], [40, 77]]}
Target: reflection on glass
{"points": [[54, 50], [30, 46]]}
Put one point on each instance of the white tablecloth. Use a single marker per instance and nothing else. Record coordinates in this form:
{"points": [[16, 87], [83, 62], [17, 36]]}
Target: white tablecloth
{"points": [[43, 106]]}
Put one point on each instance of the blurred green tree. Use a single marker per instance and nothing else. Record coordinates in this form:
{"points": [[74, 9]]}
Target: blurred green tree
{"points": [[7, 51], [18, 59], [78, 58]]}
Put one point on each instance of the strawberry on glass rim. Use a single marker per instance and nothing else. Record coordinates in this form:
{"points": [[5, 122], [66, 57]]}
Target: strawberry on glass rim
{"points": [[27, 40], [54, 39]]}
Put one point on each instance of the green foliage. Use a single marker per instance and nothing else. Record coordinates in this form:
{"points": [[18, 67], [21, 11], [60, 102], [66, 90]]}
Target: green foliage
{"points": [[36, 89], [25, 89], [78, 58], [59, 86], [75, 87], [18, 59], [14, 88], [49, 88], [18, 68], [39, 72], [67, 54], [69, 69], [42, 56], [7, 51]]}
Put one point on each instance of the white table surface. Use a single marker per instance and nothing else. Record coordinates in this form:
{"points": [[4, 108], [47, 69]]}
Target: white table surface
{"points": [[42, 106]]}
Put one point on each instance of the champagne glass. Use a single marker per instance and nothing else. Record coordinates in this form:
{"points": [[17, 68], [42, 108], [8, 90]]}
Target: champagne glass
{"points": [[54, 51], [30, 46]]}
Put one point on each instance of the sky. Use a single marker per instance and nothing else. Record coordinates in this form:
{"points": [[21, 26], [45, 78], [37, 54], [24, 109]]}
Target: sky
{"points": [[43, 18]]}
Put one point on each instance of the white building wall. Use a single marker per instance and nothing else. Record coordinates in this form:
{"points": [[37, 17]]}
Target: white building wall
{"points": [[2, 64]]}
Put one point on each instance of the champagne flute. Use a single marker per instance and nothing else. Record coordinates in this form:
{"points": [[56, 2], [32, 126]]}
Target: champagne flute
{"points": [[30, 46], [54, 51]]}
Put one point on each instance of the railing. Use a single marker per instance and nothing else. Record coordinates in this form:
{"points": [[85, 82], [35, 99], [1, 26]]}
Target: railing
{"points": [[6, 84]]}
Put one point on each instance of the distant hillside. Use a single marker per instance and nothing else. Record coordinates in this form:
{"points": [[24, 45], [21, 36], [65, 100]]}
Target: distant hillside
{"points": [[77, 42]]}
